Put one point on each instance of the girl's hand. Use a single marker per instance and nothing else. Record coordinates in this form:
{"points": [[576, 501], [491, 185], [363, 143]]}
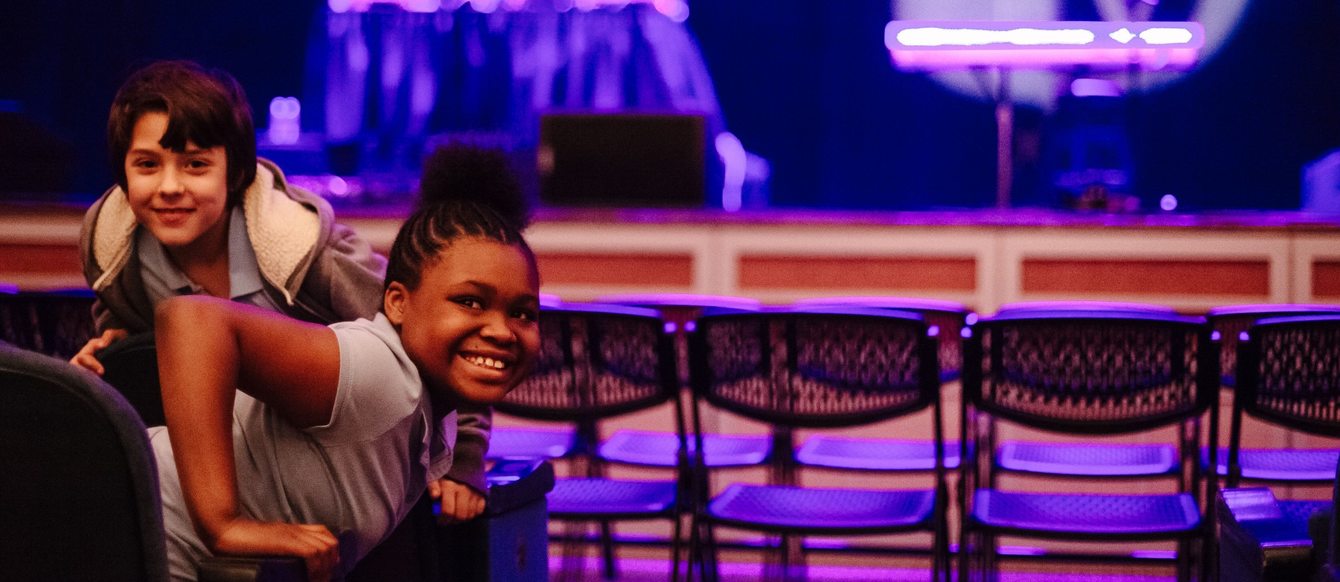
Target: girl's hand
{"points": [[459, 501], [86, 358], [317, 547]]}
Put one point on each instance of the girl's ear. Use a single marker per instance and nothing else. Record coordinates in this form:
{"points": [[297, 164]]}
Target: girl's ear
{"points": [[393, 302]]}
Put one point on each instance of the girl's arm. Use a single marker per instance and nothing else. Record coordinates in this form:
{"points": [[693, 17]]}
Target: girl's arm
{"points": [[207, 349]]}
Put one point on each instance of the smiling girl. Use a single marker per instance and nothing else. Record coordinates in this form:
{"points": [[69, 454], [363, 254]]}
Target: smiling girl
{"points": [[281, 431]]}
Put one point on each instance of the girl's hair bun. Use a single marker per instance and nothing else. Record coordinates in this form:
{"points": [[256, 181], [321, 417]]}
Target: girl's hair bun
{"points": [[465, 174]]}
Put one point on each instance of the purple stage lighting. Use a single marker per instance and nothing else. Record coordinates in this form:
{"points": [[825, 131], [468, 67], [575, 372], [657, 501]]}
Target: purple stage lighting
{"points": [[925, 45]]}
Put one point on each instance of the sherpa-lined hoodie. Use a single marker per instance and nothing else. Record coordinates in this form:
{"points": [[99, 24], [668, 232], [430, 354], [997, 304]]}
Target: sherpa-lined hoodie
{"points": [[313, 268]]}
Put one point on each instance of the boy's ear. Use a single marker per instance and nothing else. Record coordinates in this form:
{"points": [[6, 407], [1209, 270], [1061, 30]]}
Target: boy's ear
{"points": [[393, 302]]}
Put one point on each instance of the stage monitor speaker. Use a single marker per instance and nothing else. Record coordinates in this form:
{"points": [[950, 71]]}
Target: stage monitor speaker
{"points": [[1321, 184], [622, 160]]}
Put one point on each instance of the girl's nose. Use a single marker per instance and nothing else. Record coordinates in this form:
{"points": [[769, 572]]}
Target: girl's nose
{"points": [[497, 330]]}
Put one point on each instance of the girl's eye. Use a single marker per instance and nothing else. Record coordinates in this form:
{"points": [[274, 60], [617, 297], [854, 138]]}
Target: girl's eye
{"points": [[197, 164], [145, 164], [470, 302], [526, 314]]}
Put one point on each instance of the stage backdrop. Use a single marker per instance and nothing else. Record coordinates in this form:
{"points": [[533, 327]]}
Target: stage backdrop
{"points": [[806, 85]]}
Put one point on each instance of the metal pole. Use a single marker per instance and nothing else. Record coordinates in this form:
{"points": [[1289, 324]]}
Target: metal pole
{"points": [[1004, 139]]}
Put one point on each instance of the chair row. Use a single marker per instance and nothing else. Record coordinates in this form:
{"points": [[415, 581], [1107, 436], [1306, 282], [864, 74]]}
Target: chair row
{"points": [[821, 364], [1088, 370]]}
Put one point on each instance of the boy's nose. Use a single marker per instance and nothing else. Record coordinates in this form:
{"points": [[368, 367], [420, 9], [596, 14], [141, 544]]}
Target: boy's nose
{"points": [[171, 183]]}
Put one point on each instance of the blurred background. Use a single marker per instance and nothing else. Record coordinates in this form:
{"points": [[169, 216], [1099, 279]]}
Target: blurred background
{"points": [[806, 90]]}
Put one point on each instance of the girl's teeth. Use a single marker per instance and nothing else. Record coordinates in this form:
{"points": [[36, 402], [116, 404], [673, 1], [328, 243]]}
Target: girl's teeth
{"points": [[488, 363]]}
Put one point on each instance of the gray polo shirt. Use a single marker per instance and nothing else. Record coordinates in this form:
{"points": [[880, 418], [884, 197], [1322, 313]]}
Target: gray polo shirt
{"points": [[361, 472], [162, 278]]}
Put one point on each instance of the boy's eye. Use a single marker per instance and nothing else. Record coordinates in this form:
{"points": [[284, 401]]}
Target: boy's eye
{"points": [[145, 164], [197, 164], [526, 314]]}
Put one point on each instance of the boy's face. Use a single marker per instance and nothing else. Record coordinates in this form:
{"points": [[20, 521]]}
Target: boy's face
{"points": [[470, 326], [181, 197]]}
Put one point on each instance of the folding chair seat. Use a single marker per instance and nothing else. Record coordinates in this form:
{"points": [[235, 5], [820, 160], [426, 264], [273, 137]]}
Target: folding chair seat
{"points": [[1093, 375], [1288, 376], [949, 319], [824, 369], [597, 362], [1265, 464]]}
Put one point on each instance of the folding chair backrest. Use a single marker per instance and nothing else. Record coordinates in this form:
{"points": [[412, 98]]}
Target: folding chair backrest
{"points": [[821, 368], [55, 323], [1091, 372], [1231, 321], [596, 361], [131, 366], [948, 317], [1289, 373]]}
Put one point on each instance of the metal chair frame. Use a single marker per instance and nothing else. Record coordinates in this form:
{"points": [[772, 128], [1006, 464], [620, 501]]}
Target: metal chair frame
{"points": [[1265, 391], [587, 373], [786, 380], [1231, 321], [1058, 408]]}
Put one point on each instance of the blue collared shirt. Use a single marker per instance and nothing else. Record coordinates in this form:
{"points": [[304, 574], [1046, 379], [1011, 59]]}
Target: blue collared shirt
{"points": [[162, 278]]}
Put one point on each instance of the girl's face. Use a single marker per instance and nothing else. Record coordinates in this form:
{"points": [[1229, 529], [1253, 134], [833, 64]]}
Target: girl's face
{"points": [[470, 326], [181, 197]]}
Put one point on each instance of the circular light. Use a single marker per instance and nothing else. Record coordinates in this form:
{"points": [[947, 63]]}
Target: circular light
{"points": [[1168, 203]]}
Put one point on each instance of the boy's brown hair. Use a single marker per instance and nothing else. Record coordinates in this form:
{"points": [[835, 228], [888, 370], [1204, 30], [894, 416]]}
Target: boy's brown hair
{"points": [[205, 107]]}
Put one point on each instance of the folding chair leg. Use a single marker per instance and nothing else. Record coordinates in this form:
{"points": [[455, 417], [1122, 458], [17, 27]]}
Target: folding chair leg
{"points": [[572, 552], [965, 550], [611, 568], [675, 543], [712, 557], [1180, 563]]}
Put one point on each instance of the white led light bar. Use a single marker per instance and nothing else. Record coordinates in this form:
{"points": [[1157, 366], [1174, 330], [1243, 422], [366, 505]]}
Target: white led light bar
{"points": [[1042, 44]]}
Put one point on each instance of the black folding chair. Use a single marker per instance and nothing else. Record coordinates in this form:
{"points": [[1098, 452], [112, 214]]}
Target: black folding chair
{"points": [[866, 454], [821, 369], [1288, 377], [1264, 464], [597, 362], [1097, 374]]}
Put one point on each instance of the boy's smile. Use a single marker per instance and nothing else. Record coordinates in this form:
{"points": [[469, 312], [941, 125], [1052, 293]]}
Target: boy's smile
{"points": [[180, 197]]}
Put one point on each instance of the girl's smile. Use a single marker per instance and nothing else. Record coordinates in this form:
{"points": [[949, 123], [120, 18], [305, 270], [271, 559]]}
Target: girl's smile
{"points": [[470, 326]]}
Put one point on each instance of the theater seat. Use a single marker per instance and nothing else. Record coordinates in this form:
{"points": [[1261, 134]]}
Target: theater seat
{"points": [[80, 486]]}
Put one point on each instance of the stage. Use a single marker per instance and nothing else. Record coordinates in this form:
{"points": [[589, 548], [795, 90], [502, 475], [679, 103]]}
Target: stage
{"points": [[982, 258]]}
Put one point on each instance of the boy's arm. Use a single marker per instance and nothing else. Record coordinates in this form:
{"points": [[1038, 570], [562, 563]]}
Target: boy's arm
{"points": [[208, 348], [461, 491], [355, 275], [473, 425]]}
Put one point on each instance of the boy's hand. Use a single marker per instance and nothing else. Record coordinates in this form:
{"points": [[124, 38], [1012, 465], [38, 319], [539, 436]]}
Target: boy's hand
{"points": [[86, 359], [459, 502], [317, 547]]}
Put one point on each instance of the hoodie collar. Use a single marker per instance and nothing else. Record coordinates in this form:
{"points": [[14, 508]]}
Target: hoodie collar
{"points": [[282, 230]]}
